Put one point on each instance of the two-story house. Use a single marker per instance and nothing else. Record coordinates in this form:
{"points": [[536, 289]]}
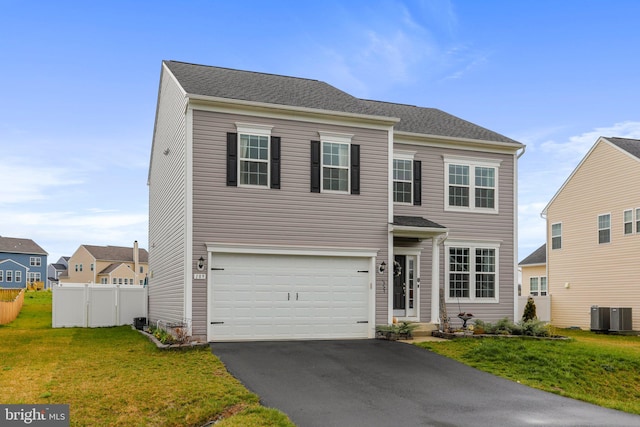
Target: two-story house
{"points": [[22, 261], [284, 208], [115, 265], [593, 235], [57, 269]]}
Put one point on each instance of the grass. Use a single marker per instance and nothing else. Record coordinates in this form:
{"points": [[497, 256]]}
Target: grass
{"points": [[601, 369], [117, 377]]}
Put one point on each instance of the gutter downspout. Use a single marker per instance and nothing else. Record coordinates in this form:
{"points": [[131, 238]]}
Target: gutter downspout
{"points": [[516, 276]]}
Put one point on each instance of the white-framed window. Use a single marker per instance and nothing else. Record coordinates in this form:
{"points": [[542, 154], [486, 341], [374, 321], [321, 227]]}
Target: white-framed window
{"points": [[92, 266], [538, 286], [556, 235], [336, 164], [35, 261], [471, 184], [18, 276], [9, 275], [638, 220], [103, 280], [472, 271], [33, 276], [402, 180], [253, 154], [115, 281], [627, 221], [78, 267], [604, 228], [1, 275]]}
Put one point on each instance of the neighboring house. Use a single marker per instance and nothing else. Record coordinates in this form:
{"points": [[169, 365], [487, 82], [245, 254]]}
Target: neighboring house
{"points": [[55, 270], [284, 208], [593, 235], [22, 261], [107, 265], [534, 273]]}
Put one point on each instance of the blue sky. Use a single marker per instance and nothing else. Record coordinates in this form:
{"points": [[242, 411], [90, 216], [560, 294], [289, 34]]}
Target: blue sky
{"points": [[79, 81]]}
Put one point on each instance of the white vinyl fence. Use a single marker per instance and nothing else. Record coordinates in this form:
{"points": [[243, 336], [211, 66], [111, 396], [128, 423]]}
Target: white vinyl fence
{"points": [[93, 305], [543, 307]]}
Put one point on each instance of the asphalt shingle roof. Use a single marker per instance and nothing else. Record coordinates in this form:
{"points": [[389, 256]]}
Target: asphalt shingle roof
{"points": [[539, 256], [631, 146], [415, 221], [116, 253], [299, 92], [20, 246]]}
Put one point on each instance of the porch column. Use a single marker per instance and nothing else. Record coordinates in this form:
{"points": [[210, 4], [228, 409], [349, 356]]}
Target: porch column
{"points": [[435, 280]]}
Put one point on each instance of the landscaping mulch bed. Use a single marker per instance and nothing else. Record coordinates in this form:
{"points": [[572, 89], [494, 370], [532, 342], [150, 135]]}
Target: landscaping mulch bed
{"points": [[470, 334]]}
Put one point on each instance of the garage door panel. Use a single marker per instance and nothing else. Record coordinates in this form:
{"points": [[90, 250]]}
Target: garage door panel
{"points": [[288, 297]]}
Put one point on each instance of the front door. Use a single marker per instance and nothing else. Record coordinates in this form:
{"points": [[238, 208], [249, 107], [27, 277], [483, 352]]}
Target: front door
{"points": [[405, 286]]}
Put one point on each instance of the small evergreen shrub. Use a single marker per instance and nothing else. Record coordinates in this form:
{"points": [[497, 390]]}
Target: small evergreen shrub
{"points": [[529, 310]]}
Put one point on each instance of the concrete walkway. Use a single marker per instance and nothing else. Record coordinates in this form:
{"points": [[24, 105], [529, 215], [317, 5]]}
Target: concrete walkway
{"points": [[384, 383]]}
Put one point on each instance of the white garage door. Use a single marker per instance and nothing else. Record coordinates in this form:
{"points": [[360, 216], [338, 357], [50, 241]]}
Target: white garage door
{"points": [[264, 297]]}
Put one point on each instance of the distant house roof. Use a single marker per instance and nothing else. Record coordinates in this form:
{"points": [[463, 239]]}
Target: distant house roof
{"points": [[631, 146], [257, 87], [20, 246], [539, 256], [116, 253], [113, 267], [59, 267]]}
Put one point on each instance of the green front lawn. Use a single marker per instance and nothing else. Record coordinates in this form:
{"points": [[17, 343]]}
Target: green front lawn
{"points": [[601, 369], [117, 377]]}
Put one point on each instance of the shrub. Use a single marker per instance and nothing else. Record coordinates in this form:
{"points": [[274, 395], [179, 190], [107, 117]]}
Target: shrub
{"points": [[529, 310], [533, 328]]}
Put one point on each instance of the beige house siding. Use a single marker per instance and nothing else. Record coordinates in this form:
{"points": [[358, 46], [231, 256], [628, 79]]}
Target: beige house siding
{"points": [[291, 215], [584, 273], [465, 226], [529, 271], [80, 260], [167, 205]]}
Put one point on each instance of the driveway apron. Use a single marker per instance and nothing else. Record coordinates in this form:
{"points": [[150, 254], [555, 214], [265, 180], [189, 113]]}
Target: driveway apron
{"points": [[381, 383]]}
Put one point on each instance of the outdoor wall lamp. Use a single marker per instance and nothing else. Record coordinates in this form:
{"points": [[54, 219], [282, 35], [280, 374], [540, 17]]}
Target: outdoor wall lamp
{"points": [[201, 264], [382, 267]]}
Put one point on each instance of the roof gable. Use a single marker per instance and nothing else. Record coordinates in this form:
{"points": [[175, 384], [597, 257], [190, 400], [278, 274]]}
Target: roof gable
{"points": [[20, 246], [627, 146]]}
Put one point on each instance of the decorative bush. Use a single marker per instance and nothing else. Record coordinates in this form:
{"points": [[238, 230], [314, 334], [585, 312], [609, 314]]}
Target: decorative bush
{"points": [[533, 328], [529, 310]]}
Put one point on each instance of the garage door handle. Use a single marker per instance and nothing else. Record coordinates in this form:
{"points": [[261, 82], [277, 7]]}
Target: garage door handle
{"points": [[288, 296], [362, 321], [296, 296]]}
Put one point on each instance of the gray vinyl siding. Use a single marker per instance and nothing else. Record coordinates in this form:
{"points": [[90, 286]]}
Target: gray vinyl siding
{"points": [[291, 215], [465, 226], [167, 206]]}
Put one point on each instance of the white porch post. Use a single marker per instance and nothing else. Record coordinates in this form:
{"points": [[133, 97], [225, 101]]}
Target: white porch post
{"points": [[435, 280]]}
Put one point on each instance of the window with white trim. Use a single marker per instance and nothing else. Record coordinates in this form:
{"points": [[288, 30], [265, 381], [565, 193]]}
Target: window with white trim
{"points": [[35, 261], [1, 275], [336, 162], [604, 228], [253, 154], [18, 276], [471, 184], [9, 275], [538, 286], [403, 181], [556, 236], [627, 221], [103, 280], [638, 220], [472, 272]]}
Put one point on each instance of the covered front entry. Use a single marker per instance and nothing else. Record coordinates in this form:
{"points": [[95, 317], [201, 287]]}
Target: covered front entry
{"points": [[405, 286], [283, 296]]}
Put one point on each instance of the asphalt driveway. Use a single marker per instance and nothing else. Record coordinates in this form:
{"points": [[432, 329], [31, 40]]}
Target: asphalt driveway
{"points": [[381, 383]]}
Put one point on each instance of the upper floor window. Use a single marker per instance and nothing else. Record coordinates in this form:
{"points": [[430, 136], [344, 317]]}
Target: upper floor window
{"points": [[627, 221], [35, 261], [472, 273], [638, 220], [556, 236], [604, 228], [103, 280], [471, 184], [91, 266], [335, 164], [402, 181], [253, 156], [78, 267]]}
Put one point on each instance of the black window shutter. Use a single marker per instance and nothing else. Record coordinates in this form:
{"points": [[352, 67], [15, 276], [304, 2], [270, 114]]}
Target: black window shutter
{"points": [[417, 182], [315, 166], [275, 162], [232, 159], [355, 169]]}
